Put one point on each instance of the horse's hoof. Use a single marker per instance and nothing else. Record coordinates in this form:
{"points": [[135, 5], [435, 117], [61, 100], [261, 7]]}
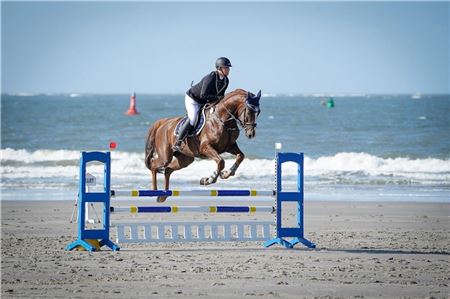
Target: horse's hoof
{"points": [[161, 198], [204, 181], [225, 174]]}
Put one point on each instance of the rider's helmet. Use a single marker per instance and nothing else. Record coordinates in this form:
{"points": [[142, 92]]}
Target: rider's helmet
{"points": [[223, 62]]}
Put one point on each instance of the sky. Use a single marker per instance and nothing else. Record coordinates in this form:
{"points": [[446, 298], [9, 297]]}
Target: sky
{"points": [[289, 47]]}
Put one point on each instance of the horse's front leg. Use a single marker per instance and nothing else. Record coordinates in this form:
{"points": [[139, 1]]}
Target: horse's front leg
{"points": [[235, 150], [207, 151]]}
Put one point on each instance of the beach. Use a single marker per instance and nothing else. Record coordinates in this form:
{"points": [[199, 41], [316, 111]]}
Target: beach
{"points": [[364, 250], [376, 200]]}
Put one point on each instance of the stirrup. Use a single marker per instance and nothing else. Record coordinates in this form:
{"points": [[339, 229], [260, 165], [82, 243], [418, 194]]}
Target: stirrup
{"points": [[177, 146]]}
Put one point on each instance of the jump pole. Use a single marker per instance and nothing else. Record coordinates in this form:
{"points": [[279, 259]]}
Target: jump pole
{"points": [[195, 209], [296, 232]]}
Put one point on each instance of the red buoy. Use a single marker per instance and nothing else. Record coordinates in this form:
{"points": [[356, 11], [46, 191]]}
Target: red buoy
{"points": [[112, 145], [132, 110]]}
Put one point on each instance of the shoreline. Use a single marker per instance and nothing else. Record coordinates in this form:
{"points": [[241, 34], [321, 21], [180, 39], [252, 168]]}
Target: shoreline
{"points": [[363, 249]]}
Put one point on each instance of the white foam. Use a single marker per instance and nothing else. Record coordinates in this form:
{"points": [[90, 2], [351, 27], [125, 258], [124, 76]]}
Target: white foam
{"points": [[24, 94], [269, 95], [373, 165], [26, 156], [128, 169]]}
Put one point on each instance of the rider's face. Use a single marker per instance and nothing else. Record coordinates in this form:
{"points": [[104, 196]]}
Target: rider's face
{"points": [[225, 70]]}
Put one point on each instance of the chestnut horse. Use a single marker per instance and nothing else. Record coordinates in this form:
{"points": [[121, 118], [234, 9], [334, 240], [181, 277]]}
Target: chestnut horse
{"points": [[219, 135]]}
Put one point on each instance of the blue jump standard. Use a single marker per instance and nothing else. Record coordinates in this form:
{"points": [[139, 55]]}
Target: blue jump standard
{"points": [[296, 233], [104, 197]]}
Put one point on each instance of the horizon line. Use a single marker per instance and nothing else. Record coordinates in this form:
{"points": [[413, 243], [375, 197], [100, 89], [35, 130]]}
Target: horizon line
{"points": [[266, 94]]}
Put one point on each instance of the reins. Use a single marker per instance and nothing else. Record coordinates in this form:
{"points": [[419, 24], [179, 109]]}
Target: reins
{"points": [[232, 117]]}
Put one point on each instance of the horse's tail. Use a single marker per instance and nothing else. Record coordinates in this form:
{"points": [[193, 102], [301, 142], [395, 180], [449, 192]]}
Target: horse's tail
{"points": [[150, 145]]}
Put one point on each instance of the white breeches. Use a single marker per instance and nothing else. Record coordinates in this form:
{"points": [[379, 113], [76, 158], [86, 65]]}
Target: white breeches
{"points": [[192, 108]]}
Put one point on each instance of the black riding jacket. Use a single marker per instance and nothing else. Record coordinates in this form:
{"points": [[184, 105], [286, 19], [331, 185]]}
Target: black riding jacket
{"points": [[209, 89]]}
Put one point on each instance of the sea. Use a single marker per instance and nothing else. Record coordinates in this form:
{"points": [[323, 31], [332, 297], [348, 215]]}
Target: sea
{"points": [[366, 148]]}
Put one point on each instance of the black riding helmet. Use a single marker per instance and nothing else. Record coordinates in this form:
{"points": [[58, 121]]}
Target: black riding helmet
{"points": [[223, 62]]}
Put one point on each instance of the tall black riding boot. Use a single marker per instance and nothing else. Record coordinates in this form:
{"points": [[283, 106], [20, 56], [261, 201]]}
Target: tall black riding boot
{"points": [[184, 130]]}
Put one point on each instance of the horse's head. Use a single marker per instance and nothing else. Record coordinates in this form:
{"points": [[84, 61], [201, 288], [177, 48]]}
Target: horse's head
{"points": [[250, 113]]}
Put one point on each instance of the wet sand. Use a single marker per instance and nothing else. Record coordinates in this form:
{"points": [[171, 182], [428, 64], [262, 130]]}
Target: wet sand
{"points": [[363, 250]]}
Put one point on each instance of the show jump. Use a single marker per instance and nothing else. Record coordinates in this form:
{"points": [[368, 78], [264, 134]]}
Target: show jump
{"points": [[152, 232]]}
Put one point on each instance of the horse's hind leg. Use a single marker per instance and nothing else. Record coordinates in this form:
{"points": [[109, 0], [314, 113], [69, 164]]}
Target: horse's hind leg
{"points": [[235, 150], [159, 165], [167, 173], [156, 167], [180, 162], [154, 173]]}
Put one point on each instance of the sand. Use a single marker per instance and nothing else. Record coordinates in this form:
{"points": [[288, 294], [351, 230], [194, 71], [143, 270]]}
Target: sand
{"points": [[364, 250]]}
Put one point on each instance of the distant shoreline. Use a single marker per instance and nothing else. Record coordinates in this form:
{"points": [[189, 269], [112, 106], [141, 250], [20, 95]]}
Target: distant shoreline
{"points": [[267, 94]]}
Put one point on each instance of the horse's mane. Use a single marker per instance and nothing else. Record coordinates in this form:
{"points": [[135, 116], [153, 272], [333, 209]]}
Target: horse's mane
{"points": [[231, 94], [238, 91]]}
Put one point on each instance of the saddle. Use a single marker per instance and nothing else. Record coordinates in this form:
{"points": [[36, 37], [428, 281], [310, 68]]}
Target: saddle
{"points": [[201, 120]]}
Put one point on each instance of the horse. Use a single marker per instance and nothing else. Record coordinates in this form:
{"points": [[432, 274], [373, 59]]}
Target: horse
{"points": [[219, 135]]}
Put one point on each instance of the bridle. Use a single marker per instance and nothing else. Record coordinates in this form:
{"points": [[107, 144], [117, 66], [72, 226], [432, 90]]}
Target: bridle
{"points": [[244, 125]]}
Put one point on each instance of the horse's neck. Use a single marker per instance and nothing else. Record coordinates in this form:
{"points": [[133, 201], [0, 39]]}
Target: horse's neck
{"points": [[228, 106]]}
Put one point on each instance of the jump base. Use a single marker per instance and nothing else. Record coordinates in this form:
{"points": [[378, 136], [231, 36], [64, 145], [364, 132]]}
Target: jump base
{"points": [[155, 232]]}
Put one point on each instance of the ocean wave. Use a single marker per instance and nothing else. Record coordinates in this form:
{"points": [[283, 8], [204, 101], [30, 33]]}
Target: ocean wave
{"points": [[373, 165], [60, 167], [29, 157], [24, 94]]}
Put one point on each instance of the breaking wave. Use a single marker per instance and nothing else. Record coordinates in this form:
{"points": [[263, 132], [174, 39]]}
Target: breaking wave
{"points": [[59, 169]]}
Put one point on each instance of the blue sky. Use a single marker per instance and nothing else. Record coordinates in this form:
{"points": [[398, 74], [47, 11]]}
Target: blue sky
{"points": [[291, 47]]}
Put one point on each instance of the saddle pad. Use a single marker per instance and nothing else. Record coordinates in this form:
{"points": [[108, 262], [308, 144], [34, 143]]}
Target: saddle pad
{"points": [[198, 126]]}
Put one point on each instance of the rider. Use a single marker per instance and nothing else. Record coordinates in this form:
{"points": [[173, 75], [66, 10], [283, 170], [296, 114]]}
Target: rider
{"points": [[210, 89]]}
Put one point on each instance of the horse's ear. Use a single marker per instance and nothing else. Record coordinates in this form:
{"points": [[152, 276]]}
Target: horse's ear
{"points": [[259, 94]]}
